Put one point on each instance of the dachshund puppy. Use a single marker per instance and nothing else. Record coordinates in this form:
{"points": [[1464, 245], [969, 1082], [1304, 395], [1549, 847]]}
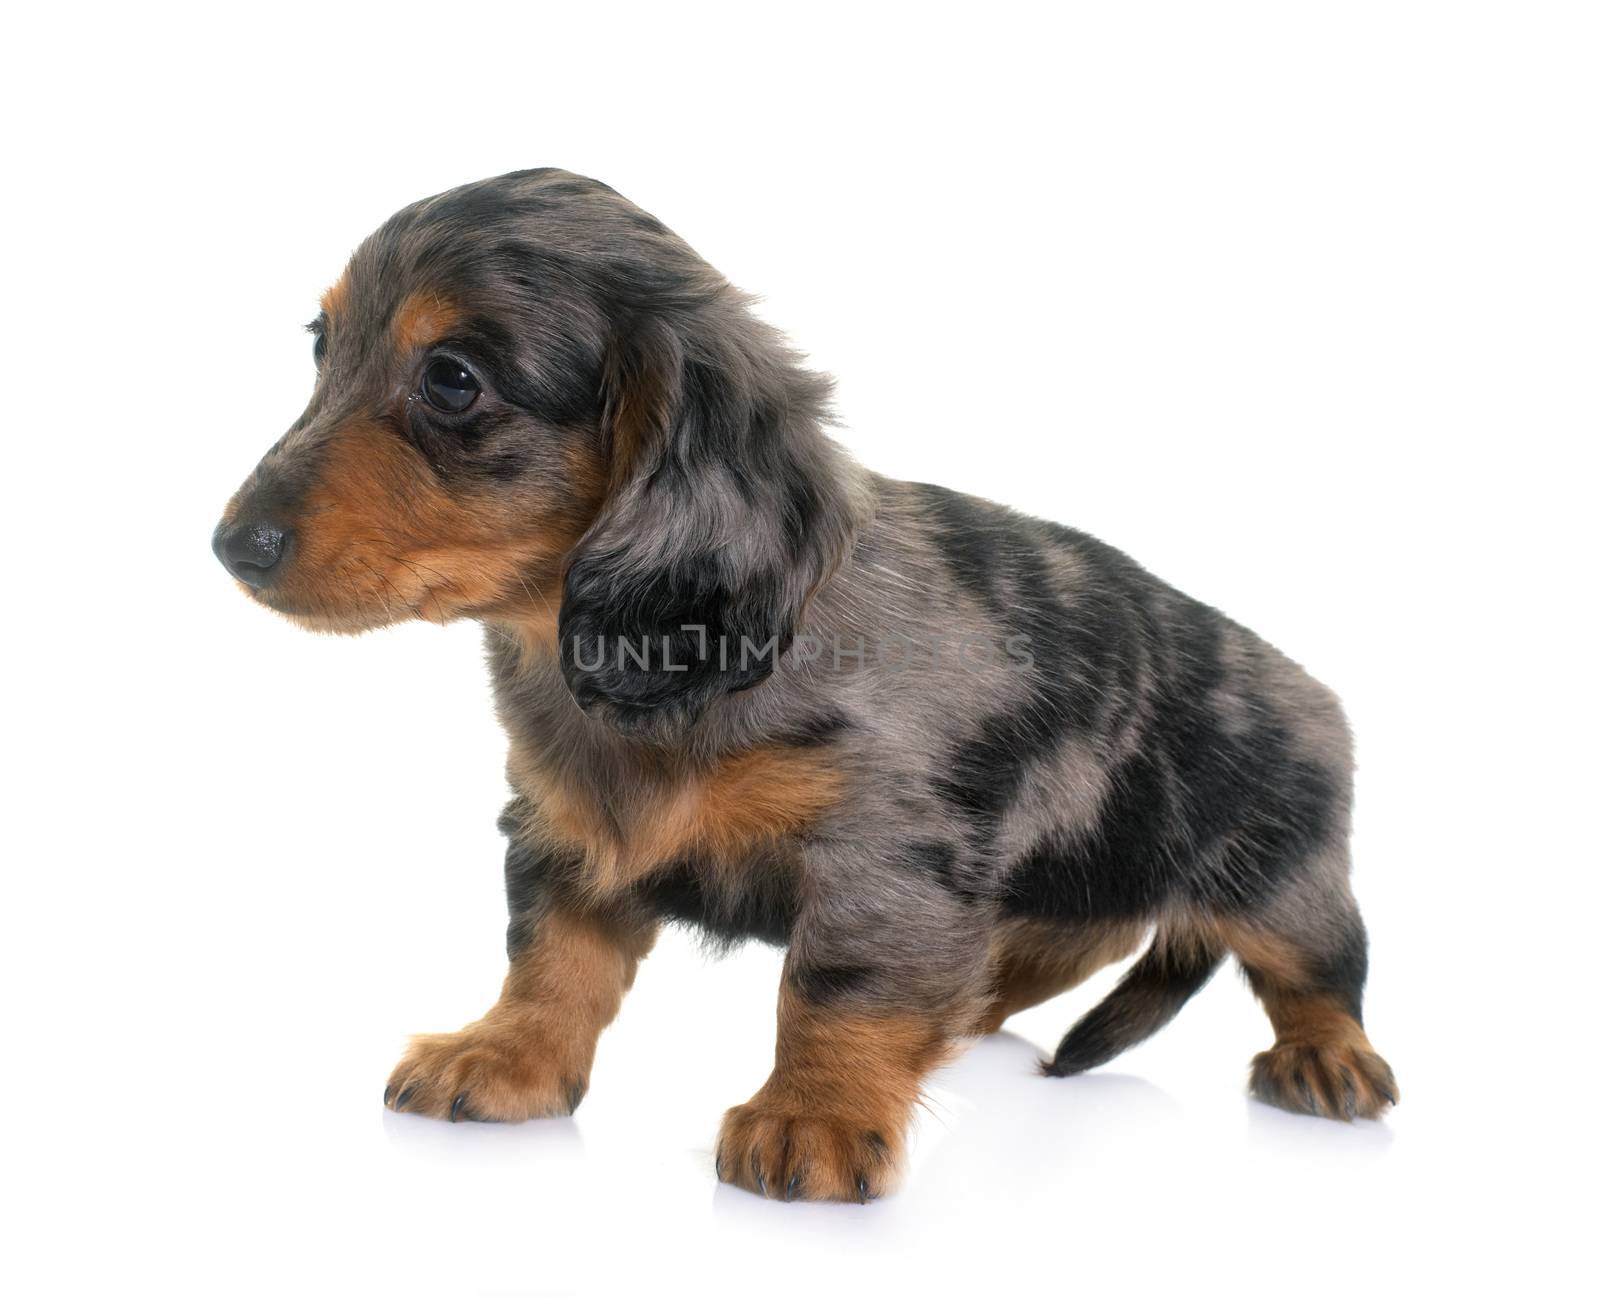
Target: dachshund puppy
{"points": [[952, 758]]}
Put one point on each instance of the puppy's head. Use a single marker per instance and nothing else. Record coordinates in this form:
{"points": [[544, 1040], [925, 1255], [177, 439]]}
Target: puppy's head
{"points": [[535, 404]]}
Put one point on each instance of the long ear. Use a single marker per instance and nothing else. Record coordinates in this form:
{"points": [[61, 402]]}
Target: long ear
{"points": [[728, 507]]}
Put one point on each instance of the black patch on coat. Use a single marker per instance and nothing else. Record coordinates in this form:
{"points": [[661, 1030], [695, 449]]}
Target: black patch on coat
{"points": [[815, 731], [1117, 870], [822, 984], [972, 539], [533, 876], [762, 907], [939, 861]]}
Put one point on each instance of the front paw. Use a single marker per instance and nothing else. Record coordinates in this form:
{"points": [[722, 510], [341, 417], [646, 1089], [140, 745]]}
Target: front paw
{"points": [[490, 1071], [806, 1153]]}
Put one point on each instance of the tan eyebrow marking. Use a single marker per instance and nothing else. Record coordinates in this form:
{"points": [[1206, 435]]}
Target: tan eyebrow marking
{"points": [[421, 320], [334, 299]]}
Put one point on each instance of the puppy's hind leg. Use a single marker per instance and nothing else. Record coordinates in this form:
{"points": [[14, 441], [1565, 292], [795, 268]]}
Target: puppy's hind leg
{"points": [[1306, 959]]}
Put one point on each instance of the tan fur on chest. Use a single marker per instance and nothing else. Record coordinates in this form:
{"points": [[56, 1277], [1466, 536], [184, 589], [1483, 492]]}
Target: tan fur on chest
{"points": [[717, 814]]}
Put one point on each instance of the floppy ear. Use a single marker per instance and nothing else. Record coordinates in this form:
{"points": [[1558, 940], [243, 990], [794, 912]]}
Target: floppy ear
{"points": [[728, 506]]}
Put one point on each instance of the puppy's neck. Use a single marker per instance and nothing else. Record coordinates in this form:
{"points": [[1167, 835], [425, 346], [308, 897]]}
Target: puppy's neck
{"points": [[531, 632]]}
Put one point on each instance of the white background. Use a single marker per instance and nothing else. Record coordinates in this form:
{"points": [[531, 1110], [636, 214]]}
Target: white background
{"points": [[1296, 303]]}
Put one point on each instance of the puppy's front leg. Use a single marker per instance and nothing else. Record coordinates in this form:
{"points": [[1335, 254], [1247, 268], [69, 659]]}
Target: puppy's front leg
{"points": [[530, 1055], [869, 1004], [830, 1122]]}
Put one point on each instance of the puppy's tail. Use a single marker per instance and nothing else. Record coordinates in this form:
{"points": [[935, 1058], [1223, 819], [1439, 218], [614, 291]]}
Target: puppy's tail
{"points": [[1144, 1001]]}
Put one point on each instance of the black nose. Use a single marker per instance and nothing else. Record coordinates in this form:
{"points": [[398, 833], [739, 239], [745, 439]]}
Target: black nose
{"points": [[250, 550]]}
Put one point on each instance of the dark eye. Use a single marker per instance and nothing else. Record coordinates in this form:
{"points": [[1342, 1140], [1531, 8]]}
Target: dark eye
{"points": [[318, 329], [447, 386]]}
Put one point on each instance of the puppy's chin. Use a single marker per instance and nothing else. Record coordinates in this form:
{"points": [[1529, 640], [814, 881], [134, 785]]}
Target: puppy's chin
{"points": [[324, 620], [341, 623]]}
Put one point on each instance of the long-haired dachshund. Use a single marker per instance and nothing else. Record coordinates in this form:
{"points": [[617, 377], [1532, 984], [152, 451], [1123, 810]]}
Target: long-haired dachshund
{"points": [[953, 758]]}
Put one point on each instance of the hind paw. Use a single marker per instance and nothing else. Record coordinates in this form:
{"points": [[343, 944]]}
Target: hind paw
{"points": [[1339, 1080]]}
